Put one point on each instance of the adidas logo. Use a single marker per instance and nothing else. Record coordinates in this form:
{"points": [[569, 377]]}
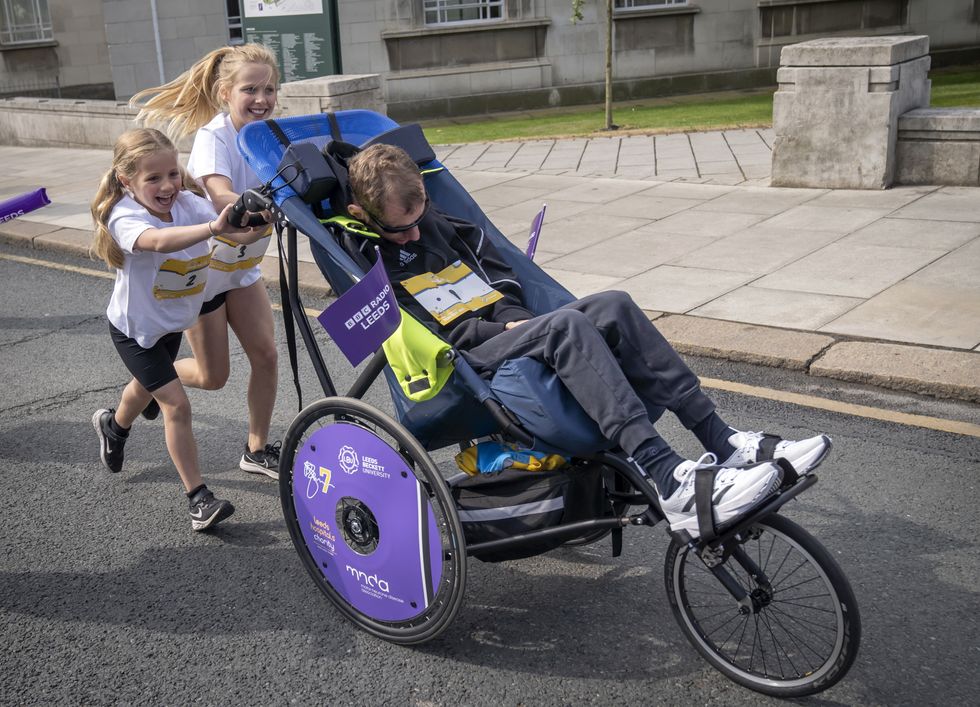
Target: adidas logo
{"points": [[404, 257]]}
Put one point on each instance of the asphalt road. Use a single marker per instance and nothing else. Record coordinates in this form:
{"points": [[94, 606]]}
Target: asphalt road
{"points": [[106, 596]]}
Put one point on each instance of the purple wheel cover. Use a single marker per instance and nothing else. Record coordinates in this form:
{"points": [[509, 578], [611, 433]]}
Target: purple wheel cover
{"points": [[396, 581]]}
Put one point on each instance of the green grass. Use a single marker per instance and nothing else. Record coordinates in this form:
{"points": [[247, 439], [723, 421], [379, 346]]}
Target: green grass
{"points": [[956, 89], [682, 113]]}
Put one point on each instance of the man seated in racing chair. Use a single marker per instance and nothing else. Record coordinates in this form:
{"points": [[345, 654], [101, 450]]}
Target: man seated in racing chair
{"points": [[602, 347]]}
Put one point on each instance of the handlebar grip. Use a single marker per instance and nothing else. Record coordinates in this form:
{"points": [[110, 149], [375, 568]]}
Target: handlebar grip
{"points": [[244, 211], [238, 212]]}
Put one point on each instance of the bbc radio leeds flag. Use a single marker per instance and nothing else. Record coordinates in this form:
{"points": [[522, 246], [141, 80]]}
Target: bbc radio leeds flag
{"points": [[25, 203], [363, 317]]}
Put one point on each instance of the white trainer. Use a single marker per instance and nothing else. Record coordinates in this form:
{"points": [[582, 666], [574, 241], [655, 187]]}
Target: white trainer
{"points": [[751, 447], [735, 492]]}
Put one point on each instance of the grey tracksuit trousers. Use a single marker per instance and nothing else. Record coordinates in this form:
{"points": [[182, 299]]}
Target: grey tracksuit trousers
{"points": [[612, 359]]}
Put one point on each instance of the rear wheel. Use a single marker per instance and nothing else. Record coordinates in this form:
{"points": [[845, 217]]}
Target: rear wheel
{"points": [[798, 630], [372, 520]]}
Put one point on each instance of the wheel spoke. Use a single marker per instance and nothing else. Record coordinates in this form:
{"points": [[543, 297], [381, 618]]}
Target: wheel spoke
{"points": [[793, 638]]}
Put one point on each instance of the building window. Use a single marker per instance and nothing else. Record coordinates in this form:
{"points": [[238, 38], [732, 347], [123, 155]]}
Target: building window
{"points": [[24, 21], [823, 18], [644, 4], [234, 10], [444, 12]]}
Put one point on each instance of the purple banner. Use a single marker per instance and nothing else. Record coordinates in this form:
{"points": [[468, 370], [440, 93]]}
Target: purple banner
{"points": [[532, 241], [367, 522], [20, 205], [363, 317]]}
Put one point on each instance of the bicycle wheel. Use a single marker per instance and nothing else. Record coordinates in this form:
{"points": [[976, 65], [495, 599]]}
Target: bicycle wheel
{"points": [[372, 520], [802, 632]]}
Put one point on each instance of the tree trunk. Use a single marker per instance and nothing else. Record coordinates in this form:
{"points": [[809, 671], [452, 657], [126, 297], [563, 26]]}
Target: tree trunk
{"points": [[609, 55]]}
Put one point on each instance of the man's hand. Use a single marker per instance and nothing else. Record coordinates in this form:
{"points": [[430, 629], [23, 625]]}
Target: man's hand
{"points": [[510, 325]]}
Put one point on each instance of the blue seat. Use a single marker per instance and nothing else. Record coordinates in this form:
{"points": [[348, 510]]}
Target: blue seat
{"points": [[529, 389]]}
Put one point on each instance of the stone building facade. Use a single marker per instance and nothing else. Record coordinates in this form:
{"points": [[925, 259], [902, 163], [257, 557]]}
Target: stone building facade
{"points": [[459, 57]]}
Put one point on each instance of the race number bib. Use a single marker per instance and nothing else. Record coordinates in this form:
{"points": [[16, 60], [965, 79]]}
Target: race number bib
{"points": [[181, 278], [228, 256], [450, 293]]}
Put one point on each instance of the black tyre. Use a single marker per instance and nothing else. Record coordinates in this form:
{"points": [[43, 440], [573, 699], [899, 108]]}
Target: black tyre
{"points": [[381, 506], [803, 630]]}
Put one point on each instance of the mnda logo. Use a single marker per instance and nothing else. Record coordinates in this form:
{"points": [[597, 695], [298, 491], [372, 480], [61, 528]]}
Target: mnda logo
{"points": [[368, 580]]}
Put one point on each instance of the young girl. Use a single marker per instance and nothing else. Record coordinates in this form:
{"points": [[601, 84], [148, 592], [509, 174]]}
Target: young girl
{"points": [[219, 94], [155, 234]]}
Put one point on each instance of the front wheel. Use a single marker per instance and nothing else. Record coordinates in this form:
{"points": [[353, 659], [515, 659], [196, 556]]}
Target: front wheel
{"points": [[798, 629]]}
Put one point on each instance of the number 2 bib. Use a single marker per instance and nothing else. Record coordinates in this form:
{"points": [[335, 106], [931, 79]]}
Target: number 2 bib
{"points": [[181, 278]]}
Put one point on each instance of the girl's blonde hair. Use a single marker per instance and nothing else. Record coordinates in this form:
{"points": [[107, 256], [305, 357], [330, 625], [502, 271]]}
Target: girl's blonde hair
{"points": [[194, 97], [131, 147]]}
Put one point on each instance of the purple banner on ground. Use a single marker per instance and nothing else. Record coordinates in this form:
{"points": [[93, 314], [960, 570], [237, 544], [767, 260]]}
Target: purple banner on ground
{"points": [[532, 241], [20, 205], [363, 317]]}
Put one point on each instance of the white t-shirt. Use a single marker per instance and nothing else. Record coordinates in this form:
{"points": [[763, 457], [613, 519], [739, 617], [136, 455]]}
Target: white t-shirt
{"points": [[215, 151], [158, 293]]}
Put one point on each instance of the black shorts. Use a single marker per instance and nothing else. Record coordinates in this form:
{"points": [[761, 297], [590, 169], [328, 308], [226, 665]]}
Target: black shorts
{"points": [[213, 304], [154, 367]]}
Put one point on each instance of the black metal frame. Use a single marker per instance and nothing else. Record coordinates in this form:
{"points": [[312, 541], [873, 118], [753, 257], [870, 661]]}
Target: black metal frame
{"points": [[643, 493]]}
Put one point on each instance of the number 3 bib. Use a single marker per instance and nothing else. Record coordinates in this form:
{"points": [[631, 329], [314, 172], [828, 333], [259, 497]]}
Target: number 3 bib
{"points": [[228, 256]]}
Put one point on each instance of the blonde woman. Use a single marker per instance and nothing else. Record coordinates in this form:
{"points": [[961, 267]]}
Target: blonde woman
{"points": [[215, 98], [155, 233]]}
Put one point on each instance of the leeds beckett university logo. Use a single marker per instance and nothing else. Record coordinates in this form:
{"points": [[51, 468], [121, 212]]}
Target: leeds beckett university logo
{"points": [[347, 458]]}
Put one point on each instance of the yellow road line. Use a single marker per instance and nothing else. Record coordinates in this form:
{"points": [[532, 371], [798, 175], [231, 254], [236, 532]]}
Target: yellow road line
{"points": [[59, 266], [902, 418], [811, 401], [96, 273]]}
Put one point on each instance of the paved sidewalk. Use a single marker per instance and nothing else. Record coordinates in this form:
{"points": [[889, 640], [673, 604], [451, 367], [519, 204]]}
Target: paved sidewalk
{"points": [[879, 287], [726, 157]]}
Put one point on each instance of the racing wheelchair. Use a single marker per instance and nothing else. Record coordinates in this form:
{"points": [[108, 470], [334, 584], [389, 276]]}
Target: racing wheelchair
{"points": [[386, 535]]}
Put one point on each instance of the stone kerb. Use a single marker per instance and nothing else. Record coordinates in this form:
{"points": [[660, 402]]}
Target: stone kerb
{"points": [[835, 115]]}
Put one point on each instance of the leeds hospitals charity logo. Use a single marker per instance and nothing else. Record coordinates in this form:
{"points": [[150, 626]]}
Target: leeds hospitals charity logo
{"points": [[347, 458]]}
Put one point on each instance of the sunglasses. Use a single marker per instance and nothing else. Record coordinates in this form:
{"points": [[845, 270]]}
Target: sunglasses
{"points": [[400, 229]]}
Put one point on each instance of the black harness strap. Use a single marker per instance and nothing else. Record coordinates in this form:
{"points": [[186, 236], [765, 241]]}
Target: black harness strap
{"points": [[767, 450], [278, 132], [287, 309], [790, 474], [334, 127], [704, 488], [767, 447], [287, 319]]}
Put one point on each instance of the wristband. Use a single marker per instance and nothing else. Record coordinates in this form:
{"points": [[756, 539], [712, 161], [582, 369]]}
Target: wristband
{"points": [[211, 230]]}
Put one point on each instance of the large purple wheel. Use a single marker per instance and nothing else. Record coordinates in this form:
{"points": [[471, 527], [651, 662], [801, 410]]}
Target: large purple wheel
{"points": [[372, 520]]}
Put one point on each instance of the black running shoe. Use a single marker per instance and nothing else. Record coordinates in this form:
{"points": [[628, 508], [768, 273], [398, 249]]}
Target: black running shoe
{"points": [[152, 410], [265, 461], [206, 510], [110, 444]]}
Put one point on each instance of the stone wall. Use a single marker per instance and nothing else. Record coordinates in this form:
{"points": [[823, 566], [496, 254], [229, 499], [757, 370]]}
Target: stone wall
{"points": [[188, 30], [939, 146], [48, 122]]}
